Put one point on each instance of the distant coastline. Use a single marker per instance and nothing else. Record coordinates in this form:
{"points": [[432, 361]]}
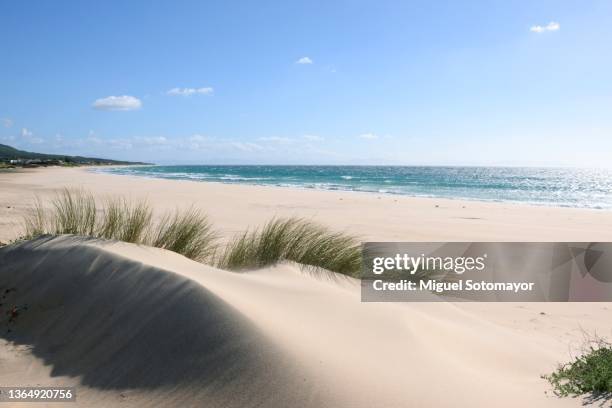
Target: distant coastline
{"points": [[15, 158]]}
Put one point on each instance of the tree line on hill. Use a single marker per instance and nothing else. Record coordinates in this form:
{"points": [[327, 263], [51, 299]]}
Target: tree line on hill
{"points": [[11, 157]]}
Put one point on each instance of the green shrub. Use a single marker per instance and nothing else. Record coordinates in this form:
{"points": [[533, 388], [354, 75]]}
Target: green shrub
{"points": [[589, 373]]}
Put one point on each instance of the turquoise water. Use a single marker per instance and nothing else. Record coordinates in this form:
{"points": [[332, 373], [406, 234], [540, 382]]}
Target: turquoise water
{"points": [[584, 188]]}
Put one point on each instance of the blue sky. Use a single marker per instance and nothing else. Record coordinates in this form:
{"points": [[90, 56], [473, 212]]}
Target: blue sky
{"points": [[352, 82]]}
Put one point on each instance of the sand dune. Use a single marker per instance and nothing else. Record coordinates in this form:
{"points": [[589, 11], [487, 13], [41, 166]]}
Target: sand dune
{"points": [[141, 326]]}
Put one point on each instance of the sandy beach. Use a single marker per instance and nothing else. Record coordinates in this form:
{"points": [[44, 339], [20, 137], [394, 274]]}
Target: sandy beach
{"points": [[137, 326], [373, 217]]}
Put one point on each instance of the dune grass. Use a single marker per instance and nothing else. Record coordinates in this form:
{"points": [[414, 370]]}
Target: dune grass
{"points": [[293, 239], [111, 225], [35, 223], [189, 233], [136, 222], [75, 212], [125, 221], [590, 373]]}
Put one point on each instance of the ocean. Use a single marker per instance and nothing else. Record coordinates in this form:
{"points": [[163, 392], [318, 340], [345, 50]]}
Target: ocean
{"points": [[562, 187]]}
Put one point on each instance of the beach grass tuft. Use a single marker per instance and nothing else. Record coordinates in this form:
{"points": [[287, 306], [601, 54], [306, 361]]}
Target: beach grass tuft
{"points": [[35, 222], [137, 222], [125, 221], [293, 239], [74, 213], [111, 226], [188, 233]]}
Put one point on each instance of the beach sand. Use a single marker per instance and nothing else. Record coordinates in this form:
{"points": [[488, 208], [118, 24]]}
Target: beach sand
{"points": [[139, 326], [136, 326]]}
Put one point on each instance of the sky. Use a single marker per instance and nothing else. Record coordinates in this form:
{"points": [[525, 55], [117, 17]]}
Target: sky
{"points": [[508, 83]]}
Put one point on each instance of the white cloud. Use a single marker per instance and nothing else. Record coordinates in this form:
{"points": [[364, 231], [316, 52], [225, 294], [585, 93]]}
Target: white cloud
{"points": [[25, 133], [215, 144], [552, 26], [151, 141], [29, 137], [199, 138], [196, 142], [6, 122], [119, 144], [276, 139], [117, 103], [368, 136], [191, 91], [304, 60], [246, 146], [313, 138]]}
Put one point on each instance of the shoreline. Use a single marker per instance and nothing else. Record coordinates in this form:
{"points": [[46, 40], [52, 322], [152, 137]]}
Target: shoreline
{"points": [[375, 217], [345, 190]]}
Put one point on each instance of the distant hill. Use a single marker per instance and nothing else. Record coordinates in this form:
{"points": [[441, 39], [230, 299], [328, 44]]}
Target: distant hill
{"points": [[10, 153]]}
